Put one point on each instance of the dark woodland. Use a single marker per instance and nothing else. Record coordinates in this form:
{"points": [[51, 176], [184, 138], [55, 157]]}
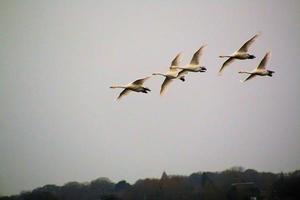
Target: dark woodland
{"points": [[232, 184]]}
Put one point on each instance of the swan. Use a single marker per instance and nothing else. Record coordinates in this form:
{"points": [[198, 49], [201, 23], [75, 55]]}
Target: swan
{"points": [[240, 54], [173, 73], [136, 86], [194, 65], [260, 70]]}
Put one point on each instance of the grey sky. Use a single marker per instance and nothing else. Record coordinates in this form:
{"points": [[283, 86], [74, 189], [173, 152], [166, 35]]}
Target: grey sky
{"points": [[58, 118]]}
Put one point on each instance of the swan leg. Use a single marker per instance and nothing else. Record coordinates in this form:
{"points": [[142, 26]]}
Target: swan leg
{"points": [[182, 78]]}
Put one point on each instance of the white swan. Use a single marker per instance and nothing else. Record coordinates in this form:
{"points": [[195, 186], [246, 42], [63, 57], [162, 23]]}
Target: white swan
{"points": [[173, 73], [194, 65], [136, 86], [240, 54], [260, 70]]}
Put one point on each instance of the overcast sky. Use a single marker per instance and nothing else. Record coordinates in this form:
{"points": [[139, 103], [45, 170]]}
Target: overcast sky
{"points": [[59, 120]]}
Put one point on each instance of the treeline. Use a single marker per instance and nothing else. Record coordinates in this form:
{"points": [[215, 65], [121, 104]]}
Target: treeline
{"points": [[231, 184]]}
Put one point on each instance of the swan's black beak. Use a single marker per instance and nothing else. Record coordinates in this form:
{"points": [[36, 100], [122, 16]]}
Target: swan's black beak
{"points": [[146, 90], [203, 69], [270, 73], [252, 57]]}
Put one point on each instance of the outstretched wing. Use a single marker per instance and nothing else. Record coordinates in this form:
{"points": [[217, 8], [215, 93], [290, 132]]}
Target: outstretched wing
{"points": [[176, 61], [264, 61], [246, 46], [164, 85], [251, 76], [140, 81], [197, 55], [225, 64], [123, 93]]}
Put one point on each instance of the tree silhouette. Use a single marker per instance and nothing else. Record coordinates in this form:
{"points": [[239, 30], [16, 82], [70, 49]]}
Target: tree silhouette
{"points": [[231, 184]]}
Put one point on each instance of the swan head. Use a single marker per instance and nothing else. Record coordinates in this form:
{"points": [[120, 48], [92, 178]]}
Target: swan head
{"points": [[203, 69], [145, 90], [251, 57], [270, 73]]}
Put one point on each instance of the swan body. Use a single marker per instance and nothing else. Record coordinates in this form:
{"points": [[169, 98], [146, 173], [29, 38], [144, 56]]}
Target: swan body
{"points": [[240, 54], [173, 73], [260, 70], [194, 65], [136, 86]]}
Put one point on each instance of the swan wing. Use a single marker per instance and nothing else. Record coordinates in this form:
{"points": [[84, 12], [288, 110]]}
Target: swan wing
{"points": [[140, 81], [246, 46], [164, 85], [197, 55], [264, 61], [251, 76], [123, 93], [225, 64], [176, 61]]}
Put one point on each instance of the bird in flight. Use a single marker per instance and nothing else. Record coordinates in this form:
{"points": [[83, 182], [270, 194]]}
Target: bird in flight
{"points": [[194, 65], [260, 70], [172, 74], [136, 86], [240, 54]]}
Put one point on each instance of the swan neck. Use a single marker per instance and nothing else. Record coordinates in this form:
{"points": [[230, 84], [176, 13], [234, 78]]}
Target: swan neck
{"points": [[225, 56], [117, 86], [159, 74], [245, 72]]}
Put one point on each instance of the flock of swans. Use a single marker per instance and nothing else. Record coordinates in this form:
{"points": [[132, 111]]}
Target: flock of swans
{"points": [[179, 72]]}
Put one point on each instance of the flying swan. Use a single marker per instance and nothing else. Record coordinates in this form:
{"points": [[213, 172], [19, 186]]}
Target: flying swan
{"points": [[260, 70], [194, 65], [173, 73], [136, 86], [240, 54]]}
